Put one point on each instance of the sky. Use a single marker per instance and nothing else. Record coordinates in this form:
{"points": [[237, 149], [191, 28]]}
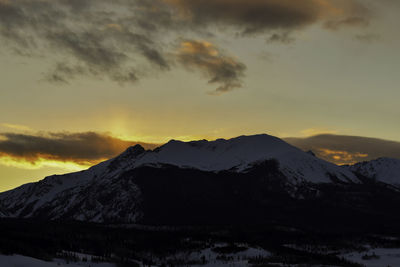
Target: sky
{"points": [[81, 80]]}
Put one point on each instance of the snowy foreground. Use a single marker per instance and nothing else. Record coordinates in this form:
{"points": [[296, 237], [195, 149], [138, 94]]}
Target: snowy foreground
{"points": [[377, 257], [22, 261], [374, 257]]}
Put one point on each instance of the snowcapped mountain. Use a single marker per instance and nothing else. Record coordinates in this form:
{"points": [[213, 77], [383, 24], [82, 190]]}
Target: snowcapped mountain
{"points": [[239, 154], [386, 170], [212, 174]]}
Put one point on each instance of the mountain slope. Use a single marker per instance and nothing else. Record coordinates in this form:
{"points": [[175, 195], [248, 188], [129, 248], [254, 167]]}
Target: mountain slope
{"points": [[117, 190], [91, 195], [386, 170]]}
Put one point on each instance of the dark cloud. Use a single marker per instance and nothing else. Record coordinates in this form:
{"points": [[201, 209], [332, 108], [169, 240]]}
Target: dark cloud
{"points": [[218, 67], [99, 44], [108, 51], [81, 148], [255, 16], [282, 38], [89, 47], [250, 16], [343, 149], [114, 39], [63, 72]]}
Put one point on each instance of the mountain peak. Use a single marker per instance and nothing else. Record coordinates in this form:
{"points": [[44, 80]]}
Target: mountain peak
{"points": [[310, 152], [216, 155], [134, 149]]}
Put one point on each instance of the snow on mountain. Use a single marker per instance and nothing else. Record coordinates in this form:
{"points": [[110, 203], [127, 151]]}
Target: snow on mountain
{"points": [[241, 153], [91, 195], [386, 170], [99, 194]]}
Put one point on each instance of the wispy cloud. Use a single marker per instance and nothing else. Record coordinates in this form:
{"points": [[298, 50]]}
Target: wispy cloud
{"points": [[281, 38], [93, 42], [368, 38], [116, 39], [346, 22]]}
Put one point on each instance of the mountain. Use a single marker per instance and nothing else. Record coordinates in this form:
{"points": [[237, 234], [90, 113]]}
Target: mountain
{"points": [[239, 154], [386, 170], [240, 180]]}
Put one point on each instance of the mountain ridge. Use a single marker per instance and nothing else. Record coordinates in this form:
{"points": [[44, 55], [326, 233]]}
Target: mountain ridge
{"points": [[119, 189], [382, 169]]}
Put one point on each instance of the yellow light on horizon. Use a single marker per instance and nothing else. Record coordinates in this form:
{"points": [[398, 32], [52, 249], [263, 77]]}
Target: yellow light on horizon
{"points": [[43, 162]]}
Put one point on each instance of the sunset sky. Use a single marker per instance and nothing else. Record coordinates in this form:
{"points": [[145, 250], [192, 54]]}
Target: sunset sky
{"points": [[81, 80]]}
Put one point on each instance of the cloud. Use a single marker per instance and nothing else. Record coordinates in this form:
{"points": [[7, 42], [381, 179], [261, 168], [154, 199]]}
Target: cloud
{"points": [[316, 131], [283, 38], [342, 149], [94, 42], [215, 65], [64, 72], [85, 149], [255, 16], [368, 38], [121, 40], [351, 21]]}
